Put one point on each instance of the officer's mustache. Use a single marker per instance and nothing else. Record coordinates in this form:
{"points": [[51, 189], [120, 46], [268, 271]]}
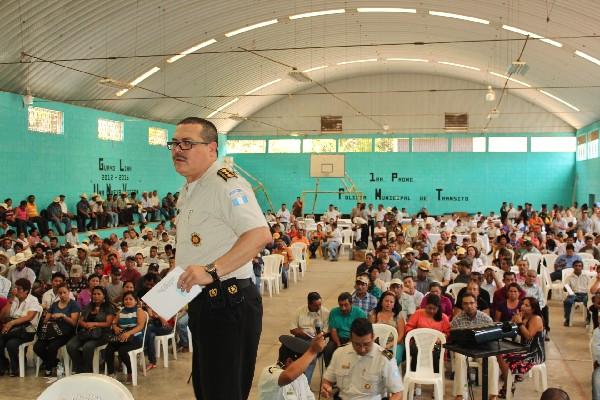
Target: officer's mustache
{"points": [[179, 158]]}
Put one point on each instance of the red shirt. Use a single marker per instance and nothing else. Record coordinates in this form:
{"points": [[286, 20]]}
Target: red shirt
{"points": [[108, 268], [420, 320], [130, 275]]}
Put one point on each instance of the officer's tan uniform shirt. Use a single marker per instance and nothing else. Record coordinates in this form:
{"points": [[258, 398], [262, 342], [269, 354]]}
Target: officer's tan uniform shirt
{"points": [[363, 377], [214, 211]]}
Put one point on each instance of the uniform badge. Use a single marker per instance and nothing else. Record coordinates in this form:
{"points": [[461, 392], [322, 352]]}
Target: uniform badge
{"points": [[213, 292], [196, 240], [232, 289], [387, 354], [226, 173], [367, 386]]}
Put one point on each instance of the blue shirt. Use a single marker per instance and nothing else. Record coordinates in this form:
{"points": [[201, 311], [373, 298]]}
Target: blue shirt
{"points": [[341, 322], [367, 303], [564, 261]]}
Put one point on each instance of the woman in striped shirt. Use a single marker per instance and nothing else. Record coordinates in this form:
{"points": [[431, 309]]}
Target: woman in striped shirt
{"points": [[129, 330]]}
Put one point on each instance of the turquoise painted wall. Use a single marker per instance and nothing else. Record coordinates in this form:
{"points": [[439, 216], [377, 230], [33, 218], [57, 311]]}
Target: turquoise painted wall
{"points": [[46, 164], [588, 172], [476, 181]]}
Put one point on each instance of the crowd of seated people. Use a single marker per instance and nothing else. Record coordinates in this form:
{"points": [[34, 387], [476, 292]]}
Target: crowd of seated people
{"points": [[403, 279], [89, 213], [82, 296]]}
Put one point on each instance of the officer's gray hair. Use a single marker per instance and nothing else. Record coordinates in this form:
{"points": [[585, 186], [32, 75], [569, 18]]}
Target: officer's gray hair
{"points": [[209, 130]]}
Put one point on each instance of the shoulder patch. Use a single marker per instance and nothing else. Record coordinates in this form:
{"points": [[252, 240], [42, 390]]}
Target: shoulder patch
{"points": [[226, 173], [387, 354]]}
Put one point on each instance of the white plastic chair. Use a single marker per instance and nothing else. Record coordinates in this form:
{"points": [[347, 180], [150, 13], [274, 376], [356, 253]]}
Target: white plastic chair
{"points": [[23, 357], [83, 386], [66, 361], [454, 288], [347, 240], [139, 351], [540, 379], [270, 274], [534, 260], [145, 251], [585, 256], [549, 260], [425, 339], [278, 270], [299, 251], [163, 340], [382, 334], [96, 359], [590, 264]]}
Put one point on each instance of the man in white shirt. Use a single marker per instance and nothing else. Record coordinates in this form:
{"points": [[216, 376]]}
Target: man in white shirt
{"points": [[331, 213], [307, 320], [380, 213], [51, 295], [148, 211], [578, 283], [72, 237], [334, 241], [21, 270], [5, 285], [439, 272], [284, 216], [285, 380]]}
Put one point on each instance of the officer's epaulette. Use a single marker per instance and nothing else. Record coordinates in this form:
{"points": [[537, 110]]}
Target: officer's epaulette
{"points": [[387, 354], [226, 173]]}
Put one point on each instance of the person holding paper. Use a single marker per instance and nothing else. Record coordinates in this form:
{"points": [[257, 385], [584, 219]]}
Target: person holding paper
{"points": [[220, 228]]}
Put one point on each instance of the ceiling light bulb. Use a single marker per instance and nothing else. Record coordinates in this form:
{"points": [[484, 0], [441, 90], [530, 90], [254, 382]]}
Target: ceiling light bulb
{"points": [[490, 94]]}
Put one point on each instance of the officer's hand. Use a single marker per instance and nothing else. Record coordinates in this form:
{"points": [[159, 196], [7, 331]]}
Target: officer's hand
{"points": [[326, 390], [194, 275], [317, 345]]}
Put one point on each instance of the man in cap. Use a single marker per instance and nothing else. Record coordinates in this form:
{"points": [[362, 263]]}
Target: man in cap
{"points": [[407, 303], [464, 271], [84, 212], [56, 216], [361, 297], [21, 270], [286, 379], [423, 280], [76, 283], [363, 370]]}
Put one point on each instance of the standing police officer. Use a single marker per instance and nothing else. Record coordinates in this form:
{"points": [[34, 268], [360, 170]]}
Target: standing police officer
{"points": [[220, 228]]}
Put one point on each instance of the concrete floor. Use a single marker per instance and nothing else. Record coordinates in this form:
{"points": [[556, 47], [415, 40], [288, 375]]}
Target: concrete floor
{"points": [[569, 366]]}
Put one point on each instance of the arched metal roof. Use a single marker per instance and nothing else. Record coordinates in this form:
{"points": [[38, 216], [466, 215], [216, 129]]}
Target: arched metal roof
{"points": [[73, 44]]}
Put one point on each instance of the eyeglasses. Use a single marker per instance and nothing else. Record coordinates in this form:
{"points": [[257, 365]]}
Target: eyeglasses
{"points": [[184, 144]]}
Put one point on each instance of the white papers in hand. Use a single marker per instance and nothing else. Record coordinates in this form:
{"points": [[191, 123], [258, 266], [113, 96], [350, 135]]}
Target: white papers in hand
{"points": [[166, 298]]}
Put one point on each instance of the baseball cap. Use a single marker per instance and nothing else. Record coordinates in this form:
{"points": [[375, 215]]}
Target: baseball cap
{"points": [[424, 265], [76, 271], [396, 281], [363, 279]]}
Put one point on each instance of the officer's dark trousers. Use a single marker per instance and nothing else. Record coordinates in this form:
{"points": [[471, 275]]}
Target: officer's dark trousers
{"points": [[225, 344]]}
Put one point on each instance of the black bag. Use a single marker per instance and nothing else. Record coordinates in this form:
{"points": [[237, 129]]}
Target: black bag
{"points": [[90, 334], [114, 338], [49, 330]]}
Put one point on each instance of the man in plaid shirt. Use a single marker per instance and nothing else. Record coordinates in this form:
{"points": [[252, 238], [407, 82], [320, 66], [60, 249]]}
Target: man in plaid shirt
{"points": [[470, 318], [361, 297]]}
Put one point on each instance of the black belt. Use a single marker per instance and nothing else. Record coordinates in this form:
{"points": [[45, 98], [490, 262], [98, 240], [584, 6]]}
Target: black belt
{"points": [[244, 283]]}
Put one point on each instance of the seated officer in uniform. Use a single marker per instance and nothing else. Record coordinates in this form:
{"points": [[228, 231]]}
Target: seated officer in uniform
{"points": [[362, 370], [286, 379]]}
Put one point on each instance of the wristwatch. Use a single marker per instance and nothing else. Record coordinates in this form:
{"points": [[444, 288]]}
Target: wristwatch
{"points": [[212, 271]]}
